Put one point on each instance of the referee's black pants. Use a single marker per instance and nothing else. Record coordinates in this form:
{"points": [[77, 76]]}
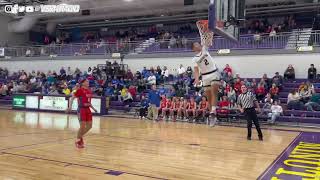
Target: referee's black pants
{"points": [[251, 115]]}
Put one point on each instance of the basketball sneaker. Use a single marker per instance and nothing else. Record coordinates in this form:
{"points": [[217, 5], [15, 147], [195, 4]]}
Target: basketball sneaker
{"points": [[79, 143], [213, 121]]}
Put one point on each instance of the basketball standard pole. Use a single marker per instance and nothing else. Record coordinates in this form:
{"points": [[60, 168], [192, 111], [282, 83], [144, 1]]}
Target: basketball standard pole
{"points": [[212, 16]]}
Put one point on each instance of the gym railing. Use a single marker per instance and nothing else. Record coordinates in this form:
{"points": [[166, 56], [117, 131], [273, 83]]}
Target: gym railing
{"points": [[261, 41]]}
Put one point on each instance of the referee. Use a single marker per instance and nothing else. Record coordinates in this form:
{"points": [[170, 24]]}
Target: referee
{"points": [[246, 102]]}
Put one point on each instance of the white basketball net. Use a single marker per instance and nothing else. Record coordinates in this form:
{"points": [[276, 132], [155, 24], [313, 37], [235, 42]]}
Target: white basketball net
{"points": [[205, 34]]}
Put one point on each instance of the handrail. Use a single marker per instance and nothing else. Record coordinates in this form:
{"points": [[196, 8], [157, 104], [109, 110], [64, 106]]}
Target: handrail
{"points": [[246, 41]]}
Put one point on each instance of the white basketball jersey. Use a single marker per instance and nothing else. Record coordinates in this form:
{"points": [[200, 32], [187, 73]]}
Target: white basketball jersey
{"points": [[204, 61]]}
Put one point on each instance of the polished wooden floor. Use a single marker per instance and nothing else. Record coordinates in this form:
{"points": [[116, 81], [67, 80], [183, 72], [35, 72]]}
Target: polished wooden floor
{"points": [[41, 146]]}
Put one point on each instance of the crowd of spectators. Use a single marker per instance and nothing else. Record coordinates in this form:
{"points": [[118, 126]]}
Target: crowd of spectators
{"points": [[270, 26], [129, 86], [125, 40]]}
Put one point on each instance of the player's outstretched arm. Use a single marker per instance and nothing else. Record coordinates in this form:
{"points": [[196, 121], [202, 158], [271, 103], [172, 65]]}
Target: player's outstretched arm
{"points": [[196, 75]]}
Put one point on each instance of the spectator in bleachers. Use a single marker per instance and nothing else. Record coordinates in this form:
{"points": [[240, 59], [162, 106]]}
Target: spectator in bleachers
{"points": [[184, 42], [312, 72], [247, 83], [133, 91], [230, 79], [152, 80], [66, 91], [197, 97], [227, 70], [314, 103], [69, 73], [144, 104], [224, 106], [159, 71], [162, 90], [274, 91], [28, 53], [109, 91], [267, 81], [278, 80], [165, 74], [276, 111], [3, 89], [260, 92], [304, 93], [232, 96], [237, 86], [289, 73], [53, 91], [220, 92], [179, 42], [253, 86], [62, 72], [138, 75], [273, 32], [294, 101], [181, 70], [129, 75], [237, 76], [189, 71], [173, 42], [144, 72], [310, 88], [268, 101], [126, 95]]}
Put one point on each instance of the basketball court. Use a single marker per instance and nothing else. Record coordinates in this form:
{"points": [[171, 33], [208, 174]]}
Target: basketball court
{"points": [[41, 146]]}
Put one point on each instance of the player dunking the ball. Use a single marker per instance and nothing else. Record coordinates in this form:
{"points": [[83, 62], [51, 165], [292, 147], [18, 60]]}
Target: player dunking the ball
{"points": [[205, 66], [84, 96]]}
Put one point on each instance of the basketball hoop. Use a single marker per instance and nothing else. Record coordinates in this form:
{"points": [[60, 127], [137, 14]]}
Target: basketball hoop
{"points": [[205, 34]]}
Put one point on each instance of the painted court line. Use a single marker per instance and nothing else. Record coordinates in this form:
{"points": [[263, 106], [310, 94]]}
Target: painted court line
{"points": [[31, 133], [199, 145], [277, 158], [35, 144], [80, 165]]}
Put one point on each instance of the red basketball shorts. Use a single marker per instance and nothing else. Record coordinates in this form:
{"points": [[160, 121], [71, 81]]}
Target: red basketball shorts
{"points": [[85, 114]]}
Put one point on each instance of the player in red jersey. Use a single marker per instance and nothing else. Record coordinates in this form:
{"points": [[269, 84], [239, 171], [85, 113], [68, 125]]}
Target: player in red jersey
{"points": [[185, 107], [166, 109], [203, 107], [177, 110], [163, 104], [192, 108], [84, 96]]}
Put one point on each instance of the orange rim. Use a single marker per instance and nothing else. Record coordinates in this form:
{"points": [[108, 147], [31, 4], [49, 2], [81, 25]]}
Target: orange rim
{"points": [[203, 25], [203, 21]]}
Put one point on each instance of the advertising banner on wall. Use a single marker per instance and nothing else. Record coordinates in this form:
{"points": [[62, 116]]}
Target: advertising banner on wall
{"points": [[32, 102], [96, 103], [54, 103], [19, 101]]}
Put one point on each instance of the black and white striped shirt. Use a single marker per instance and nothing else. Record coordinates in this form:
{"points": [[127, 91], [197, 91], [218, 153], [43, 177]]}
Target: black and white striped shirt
{"points": [[246, 100]]}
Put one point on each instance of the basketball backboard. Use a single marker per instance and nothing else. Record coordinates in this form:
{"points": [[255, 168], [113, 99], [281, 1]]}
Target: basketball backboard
{"points": [[224, 17]]}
